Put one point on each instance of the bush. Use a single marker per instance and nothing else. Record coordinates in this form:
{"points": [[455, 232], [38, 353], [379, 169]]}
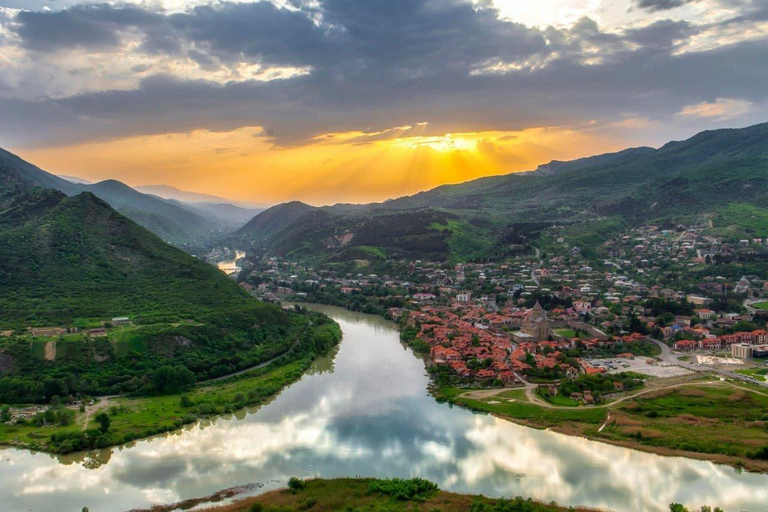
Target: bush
{"points": [[296, 484], [256, 507], [403, 489]]}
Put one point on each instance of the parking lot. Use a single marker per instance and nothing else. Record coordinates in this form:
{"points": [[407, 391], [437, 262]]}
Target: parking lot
{"points": [[640, 365]]}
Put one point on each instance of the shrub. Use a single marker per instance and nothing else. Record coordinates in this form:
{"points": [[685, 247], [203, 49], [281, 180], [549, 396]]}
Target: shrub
{"points": [[403, 489], [296, 484]]}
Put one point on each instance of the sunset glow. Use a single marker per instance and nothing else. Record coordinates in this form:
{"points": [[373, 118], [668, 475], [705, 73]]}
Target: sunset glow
{"points": [[342, 167], [335, 101]]}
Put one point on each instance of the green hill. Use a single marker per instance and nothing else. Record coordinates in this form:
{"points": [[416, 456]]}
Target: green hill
{"points": [[273, 220], [722, 174], [76, 263]]}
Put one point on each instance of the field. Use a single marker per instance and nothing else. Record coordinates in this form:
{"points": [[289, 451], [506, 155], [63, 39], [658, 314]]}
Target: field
{"points": [[367, 494], [713, 420], [566, 333]]}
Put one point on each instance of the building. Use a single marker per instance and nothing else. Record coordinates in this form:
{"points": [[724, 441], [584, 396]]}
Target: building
{"points": [[697, 300], [464, 296], [536, 324], [741, 351], [121, 320]]}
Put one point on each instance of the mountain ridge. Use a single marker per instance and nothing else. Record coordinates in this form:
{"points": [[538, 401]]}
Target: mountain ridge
{"points": [[703, 174]]}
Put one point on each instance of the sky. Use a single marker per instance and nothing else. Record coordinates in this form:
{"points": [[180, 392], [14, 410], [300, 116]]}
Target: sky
{"points": [[331, 101]]}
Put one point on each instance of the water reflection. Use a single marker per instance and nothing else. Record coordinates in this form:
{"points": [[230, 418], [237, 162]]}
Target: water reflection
{"points": [[368, 414]]}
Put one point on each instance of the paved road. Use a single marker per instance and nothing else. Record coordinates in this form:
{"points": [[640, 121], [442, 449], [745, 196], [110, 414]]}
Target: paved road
{"points": [[669, 358]]}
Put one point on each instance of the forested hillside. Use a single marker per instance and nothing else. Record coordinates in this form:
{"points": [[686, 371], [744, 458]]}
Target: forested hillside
{"points": [[721, 174], [72, 264]]}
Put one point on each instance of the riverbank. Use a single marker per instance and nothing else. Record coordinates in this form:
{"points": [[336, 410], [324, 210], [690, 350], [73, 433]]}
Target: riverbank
{"points": [[376, 494], [132, 418], [709, 420]]}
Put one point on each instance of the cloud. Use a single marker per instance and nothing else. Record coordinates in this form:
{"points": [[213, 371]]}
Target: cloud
{"points": [[721, 108], [662, 5], [344, 66]]}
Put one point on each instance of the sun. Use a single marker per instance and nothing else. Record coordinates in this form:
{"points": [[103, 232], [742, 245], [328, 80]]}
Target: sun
{"points": [[447, 143]]}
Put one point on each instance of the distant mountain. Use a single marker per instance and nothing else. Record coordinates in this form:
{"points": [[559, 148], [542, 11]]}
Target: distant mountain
{"points": [[75, 179], [170, 221], [185, 196], [273, 220], [229, 216], [720, 173]]}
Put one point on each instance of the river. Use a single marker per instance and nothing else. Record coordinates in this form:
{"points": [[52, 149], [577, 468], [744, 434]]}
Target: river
{"points": [[231, 266], [367, 413]]}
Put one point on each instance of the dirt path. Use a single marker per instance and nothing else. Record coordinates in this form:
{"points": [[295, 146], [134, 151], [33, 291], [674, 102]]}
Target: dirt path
{"points": [[90, 411], [50, 351]]}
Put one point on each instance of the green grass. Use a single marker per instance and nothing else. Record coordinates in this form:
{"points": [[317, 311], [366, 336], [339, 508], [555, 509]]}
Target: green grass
{"points": [[567, 333], [757, 373], [715, 419], [364, 495], [521, 409], [743, 219], [760, 305], [466, 241], [376, 252], [562, 400]]}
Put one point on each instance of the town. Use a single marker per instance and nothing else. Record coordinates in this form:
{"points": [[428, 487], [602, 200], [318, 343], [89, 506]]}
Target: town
{"points": [[649, 303]]}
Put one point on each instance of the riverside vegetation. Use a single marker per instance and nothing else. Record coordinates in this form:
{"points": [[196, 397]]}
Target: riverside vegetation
{"points": [[170, 402], [374, 495]]}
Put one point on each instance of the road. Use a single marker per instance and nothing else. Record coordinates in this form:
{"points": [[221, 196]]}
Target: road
{"points": [[541, 262], [669, 358]]}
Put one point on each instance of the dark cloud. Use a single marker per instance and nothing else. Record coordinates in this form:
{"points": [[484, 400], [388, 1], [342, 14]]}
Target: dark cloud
{"points": [[662, 5], [377, 64], [661, 34], [90, 27]]}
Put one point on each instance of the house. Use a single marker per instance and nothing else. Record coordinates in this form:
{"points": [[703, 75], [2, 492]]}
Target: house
{"points": [[98, 332], [121, 320], [684, 345]]}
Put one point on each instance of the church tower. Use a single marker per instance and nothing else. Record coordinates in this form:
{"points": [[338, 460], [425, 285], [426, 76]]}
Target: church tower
{"points": [[536, 323]]}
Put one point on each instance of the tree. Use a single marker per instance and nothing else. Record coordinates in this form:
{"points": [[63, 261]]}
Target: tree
{"points": [[296, 484], [103, 420], [169, 380]]}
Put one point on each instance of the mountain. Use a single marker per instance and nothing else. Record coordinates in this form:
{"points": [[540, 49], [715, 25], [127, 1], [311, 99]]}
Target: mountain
{"points": [[720, 174], [170, 221], [75, 256], [74, 261], [185, 196], [75, 179], [273, 220], [226, 216]]}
